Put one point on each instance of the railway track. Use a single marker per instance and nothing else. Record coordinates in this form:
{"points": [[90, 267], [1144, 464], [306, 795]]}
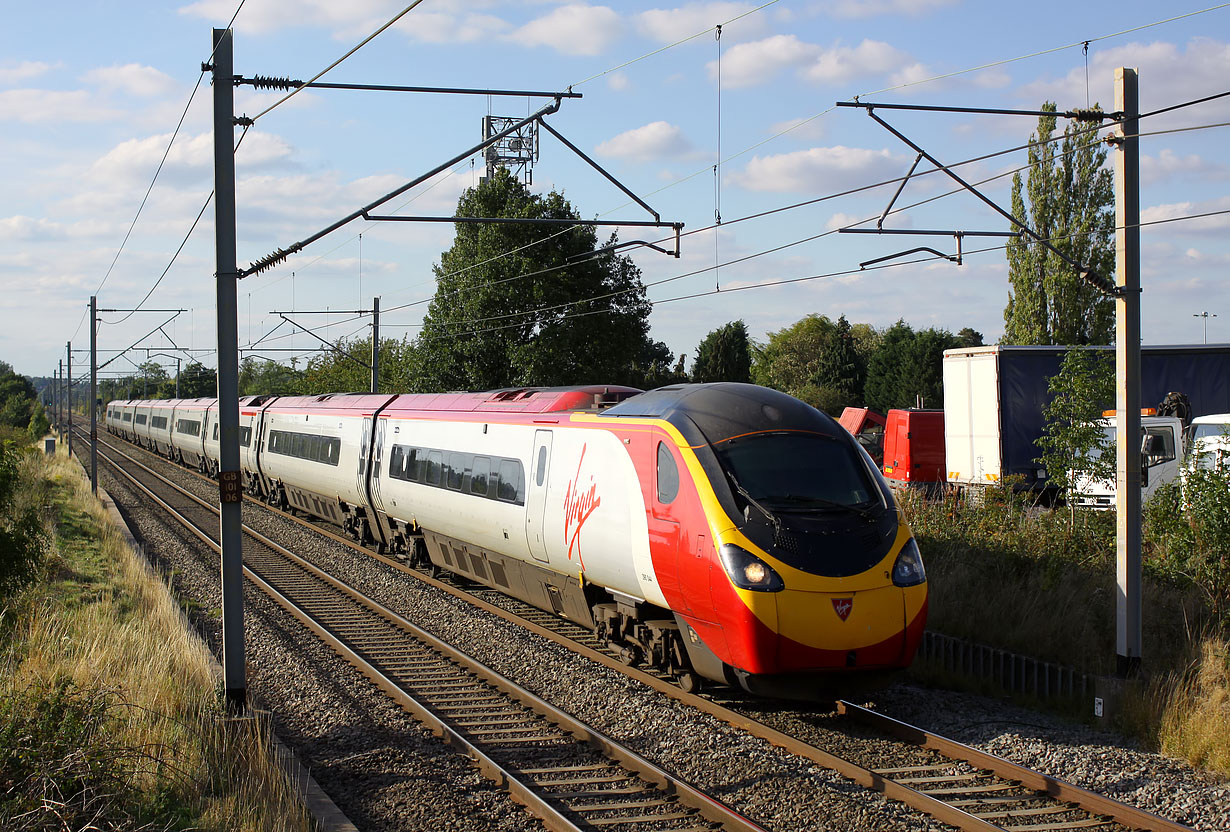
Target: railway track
{"points": [[956, 784], [564, 772]]}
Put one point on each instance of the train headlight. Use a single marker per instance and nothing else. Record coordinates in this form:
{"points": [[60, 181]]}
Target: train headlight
{"points": [[908, 570], [747, 571]]}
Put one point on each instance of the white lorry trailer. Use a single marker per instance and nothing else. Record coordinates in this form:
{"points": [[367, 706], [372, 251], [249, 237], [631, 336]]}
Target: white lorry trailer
{"points": [[994, 397]]}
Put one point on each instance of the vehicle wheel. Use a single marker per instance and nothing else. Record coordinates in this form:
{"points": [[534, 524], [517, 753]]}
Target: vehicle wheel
{"points": [[689, 682]]}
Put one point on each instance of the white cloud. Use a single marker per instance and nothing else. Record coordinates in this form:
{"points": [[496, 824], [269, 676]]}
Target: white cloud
{"points": [[39, 106], [441, 27], [23, 71], [875, 8], [748, 64], [264, 16], [619, 82], [28, 228], [574, 29], [1218, 224], [657, 140], [670, 25], [1168, 74], [820, 169], [191, 158], [131, 79], [1168, 165], [843, 63]]}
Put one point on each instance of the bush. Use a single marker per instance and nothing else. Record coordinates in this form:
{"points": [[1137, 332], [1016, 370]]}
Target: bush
{"points": [[1187, 533], [23, 538]]}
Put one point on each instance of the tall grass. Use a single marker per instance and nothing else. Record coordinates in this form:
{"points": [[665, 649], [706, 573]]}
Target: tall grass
{"points": [[109, 713]]}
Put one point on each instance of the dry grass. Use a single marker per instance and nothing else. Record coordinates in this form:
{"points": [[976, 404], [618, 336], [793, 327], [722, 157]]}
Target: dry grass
{"points": [[104, 630], [1193, 708]]}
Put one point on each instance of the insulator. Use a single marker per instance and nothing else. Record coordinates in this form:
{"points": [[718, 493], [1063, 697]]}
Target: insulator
{"points": [[265, 82], [1096, 116]]}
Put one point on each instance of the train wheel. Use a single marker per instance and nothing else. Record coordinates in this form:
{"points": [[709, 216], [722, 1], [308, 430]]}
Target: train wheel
{"points": [[689, 681]]}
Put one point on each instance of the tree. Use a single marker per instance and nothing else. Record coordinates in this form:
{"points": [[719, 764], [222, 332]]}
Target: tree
{"points": [[197, 381], [791, 358], [258, 376], [724, 355], [969, 337], [530, 304], [907, 367], [841, 370], [17, 398], [1068, 200], [1073, 444], [150, 377]]}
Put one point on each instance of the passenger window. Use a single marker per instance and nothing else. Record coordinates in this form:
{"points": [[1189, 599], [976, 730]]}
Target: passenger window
{"points": [[414, 466], [480, 476], [457, 465], [509, 475], [435, 461], [541, 475], [668, 475]]}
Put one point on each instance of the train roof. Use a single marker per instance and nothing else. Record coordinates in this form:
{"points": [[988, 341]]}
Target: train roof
{"points": [[724, 410], [516, 399]]}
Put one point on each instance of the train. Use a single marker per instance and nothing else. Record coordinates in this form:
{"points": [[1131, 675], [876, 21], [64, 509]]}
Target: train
{"points": [[718, 532]]}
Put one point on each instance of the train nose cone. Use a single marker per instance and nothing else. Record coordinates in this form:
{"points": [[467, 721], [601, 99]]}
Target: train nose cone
{"points": [[861, 628]]}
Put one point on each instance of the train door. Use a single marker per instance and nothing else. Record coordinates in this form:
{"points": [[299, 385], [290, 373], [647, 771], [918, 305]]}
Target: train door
{"points": [[360, 474], [536, 495], [665, 534], [377, 455]]}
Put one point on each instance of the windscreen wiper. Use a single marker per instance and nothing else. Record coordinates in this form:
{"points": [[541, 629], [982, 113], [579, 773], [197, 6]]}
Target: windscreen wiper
{"points": [[770, 516]]}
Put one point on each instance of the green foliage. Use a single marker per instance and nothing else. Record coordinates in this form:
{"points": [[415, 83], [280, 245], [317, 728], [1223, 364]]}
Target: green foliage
{"points": [[908, 366], [1073, 444], [841, 370], [23, 540], [62, 768], [1188, 532], [529, 304], [259, 376], [18, 398], [1068, 201], [818, 361], [724, 355], [196, 381], [39, 424]]}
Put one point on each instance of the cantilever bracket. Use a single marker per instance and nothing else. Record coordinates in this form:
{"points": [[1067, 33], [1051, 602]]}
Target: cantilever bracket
{"points": [[1098, 281], [955, 259]]}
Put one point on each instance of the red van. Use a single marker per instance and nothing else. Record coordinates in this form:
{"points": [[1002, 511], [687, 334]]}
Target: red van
{"points": [[914, 446]]}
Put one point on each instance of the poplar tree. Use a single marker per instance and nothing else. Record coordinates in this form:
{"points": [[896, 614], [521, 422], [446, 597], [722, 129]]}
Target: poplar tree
{"points": [[1068, 199]]}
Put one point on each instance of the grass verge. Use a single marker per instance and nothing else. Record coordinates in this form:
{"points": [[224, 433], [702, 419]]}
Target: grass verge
{"points": [[1042, 583], [109, 713]]}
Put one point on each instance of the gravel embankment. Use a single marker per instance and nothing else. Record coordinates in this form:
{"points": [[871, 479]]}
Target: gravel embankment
{"points": [[375, 762]]}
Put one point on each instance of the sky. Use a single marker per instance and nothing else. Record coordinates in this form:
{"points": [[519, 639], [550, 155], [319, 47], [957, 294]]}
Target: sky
{"points": [[742, 126]]}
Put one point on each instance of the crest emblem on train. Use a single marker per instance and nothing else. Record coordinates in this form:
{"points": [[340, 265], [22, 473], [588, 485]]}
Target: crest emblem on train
{"points": [[842, 607]]}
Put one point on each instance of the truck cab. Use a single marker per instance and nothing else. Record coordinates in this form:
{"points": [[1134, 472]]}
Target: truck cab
{"points": [[867, 426], [1162, 442], [1208, 441]]}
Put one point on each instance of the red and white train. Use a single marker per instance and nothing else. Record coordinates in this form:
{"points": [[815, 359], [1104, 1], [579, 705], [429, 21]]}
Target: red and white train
{"points": [[720, 531]]}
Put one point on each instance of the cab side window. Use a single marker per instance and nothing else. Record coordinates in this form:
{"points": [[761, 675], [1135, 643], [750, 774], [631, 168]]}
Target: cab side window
{"points": [[668, 475]]}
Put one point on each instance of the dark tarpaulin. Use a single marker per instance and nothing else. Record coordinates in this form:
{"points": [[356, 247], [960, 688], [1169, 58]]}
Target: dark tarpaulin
{"points": [[1199, 371]]}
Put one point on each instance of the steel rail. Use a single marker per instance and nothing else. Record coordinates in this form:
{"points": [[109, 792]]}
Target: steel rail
{"points": [[1053, 786], [515, 782], [1044, 786]]}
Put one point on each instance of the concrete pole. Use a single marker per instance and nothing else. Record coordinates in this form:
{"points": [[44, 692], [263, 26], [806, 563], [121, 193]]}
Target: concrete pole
{"points": [[375, 345], [94, 393], [1127, 370], [229, 477]]}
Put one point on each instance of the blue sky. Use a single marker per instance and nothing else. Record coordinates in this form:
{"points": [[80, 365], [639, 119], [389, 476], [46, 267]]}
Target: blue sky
{"points": [[90, 93]]}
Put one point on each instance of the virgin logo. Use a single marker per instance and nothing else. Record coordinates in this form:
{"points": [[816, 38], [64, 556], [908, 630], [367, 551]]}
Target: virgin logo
{"points": [[842, 607], [578, 506]]}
